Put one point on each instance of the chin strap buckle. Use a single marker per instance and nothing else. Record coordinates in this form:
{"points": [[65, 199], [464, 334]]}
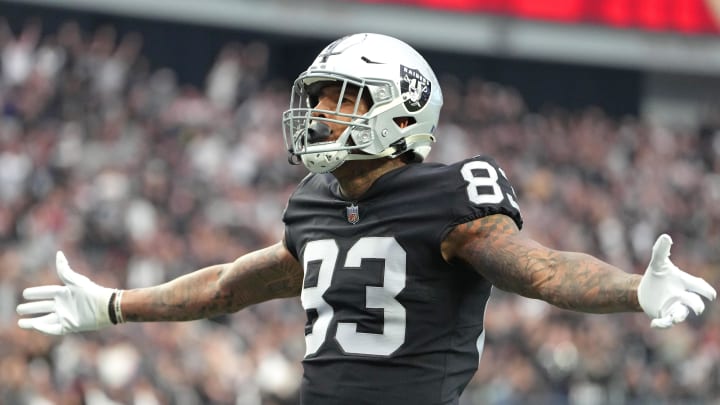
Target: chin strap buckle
{"points": [[293, 159]]}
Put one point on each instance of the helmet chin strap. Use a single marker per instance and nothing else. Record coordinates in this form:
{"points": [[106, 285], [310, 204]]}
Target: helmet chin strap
{"points": [[324, 162], [392, 151]]}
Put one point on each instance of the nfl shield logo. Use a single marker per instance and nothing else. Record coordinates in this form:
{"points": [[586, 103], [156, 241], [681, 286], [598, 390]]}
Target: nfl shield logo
{"points": [[353, 214]]}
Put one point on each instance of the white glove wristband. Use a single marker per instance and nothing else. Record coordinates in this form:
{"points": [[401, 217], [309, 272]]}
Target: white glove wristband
{"points": [[115, 308]]}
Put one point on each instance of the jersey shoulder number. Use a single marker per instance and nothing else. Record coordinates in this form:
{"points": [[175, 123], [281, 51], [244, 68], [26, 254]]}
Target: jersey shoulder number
{"points": [[487, 182], [487, 188]]}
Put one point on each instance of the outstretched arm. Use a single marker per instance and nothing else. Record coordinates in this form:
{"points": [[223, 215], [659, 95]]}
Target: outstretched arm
{"points": [[495, 248], [81, 305], [255, 277]]}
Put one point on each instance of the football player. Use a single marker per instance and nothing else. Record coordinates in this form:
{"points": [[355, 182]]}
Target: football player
{"points": [[393, 258]]}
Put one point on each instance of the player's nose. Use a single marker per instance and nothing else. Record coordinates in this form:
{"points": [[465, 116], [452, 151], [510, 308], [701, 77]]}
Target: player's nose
{"points": [[318, 132]]}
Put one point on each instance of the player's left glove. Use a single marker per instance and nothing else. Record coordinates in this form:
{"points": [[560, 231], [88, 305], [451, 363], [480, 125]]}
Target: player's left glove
{"points": [[667, 293]]}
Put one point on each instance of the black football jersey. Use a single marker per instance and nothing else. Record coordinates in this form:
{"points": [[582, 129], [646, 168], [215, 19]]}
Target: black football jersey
{"points": [[389, 320]]}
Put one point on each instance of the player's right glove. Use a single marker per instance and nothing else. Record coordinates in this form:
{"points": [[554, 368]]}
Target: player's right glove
{"points": [[79, 305], [666, 292]]}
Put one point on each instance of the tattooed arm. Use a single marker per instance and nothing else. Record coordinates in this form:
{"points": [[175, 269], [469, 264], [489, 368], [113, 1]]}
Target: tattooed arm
{"points": [[255, 277], [81, 305], [495, 248]]}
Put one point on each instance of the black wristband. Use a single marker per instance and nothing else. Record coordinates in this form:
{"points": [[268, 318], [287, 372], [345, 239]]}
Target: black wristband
{"points": [[111, 308]]}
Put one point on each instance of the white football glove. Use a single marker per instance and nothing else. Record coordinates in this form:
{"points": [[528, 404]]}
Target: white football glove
{"points": [[667, 293], [79, 305]]}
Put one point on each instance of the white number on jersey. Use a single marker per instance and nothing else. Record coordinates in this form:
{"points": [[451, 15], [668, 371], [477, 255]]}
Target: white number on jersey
{"points": [[350, 340], [483, 186]]}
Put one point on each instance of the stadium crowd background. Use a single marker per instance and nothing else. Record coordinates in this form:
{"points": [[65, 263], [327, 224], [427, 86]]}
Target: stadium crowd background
{"points": [[139, 177]]}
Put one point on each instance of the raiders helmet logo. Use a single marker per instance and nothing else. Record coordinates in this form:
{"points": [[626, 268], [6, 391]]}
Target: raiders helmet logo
{"points": [[414, 87]]}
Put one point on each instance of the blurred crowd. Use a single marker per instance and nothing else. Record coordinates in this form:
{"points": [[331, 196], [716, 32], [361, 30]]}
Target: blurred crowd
{"points": [[139, 178]]}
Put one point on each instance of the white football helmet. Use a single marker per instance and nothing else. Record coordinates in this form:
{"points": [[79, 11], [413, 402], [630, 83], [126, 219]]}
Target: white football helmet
{"points": [[401, 85]]}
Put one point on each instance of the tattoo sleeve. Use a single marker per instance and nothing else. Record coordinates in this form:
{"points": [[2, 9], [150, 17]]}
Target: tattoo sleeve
{"points": [[494, 247], [255, 277]]}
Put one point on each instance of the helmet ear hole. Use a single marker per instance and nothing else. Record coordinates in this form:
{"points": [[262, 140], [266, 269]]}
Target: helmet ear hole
{"points": [[404, 122]]}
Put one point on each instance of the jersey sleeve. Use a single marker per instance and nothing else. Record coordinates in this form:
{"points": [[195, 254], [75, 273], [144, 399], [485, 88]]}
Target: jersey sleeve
{"points": [[487, 191]]}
